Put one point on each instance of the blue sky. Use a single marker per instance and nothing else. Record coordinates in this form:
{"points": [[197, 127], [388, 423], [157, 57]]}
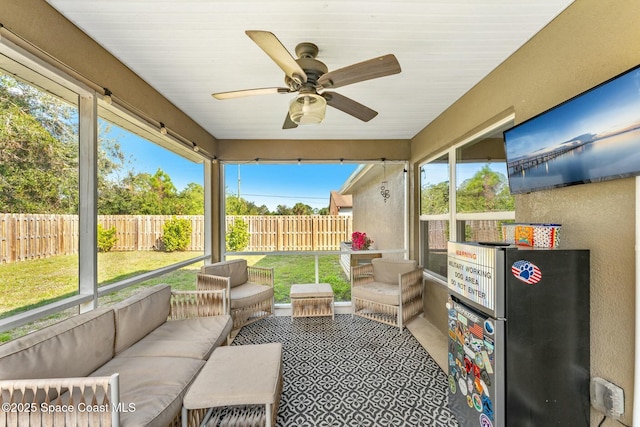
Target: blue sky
{"points": [[287, 184], [148, 157], [262, 184]]}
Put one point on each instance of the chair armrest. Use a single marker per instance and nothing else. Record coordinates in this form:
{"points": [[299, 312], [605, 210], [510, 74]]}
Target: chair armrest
{"points": [[63, 401], [411, 278], [361, 274], [209, 282], [411, 284], [260, 275], [188, 304]]}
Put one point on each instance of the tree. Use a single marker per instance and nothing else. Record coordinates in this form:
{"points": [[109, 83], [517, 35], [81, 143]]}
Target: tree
{"points": [[283, 210], [486, 191], [190, 201], [235, 205], [302, 209], [435, 199], [37, 156]]}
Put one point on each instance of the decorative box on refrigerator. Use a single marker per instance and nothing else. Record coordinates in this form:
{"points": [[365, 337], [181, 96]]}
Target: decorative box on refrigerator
{"points": [[518, 335]]}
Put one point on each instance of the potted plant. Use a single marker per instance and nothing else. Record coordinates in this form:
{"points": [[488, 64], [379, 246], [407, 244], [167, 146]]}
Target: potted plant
{"points": [[360, 241]]}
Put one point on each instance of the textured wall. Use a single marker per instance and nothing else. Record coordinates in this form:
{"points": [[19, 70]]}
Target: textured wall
{"points": [[600, 217], [589, 43], [383, 222]]}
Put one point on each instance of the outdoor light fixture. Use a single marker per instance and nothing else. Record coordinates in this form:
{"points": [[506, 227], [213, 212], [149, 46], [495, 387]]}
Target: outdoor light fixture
{"points": [[107, 96], [307, 109], [163, 129], [195, 147]]}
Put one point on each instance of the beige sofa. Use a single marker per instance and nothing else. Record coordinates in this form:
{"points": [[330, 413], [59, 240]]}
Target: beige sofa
{"points": [[138, 357]]}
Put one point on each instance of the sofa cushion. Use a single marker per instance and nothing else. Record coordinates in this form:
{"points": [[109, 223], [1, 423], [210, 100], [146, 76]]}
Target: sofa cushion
{"points": [[383, 293], [155, 385], [196, 338], [235, 269], [249, 294], [140, 314], [388, 270], [74, 347]]}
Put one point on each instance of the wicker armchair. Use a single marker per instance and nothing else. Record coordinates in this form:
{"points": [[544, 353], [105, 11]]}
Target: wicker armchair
{"points": [[249, 289], [387, 291]]}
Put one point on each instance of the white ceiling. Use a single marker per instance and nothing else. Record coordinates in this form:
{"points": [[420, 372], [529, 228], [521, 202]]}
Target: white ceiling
{"points": [[188, 49]]}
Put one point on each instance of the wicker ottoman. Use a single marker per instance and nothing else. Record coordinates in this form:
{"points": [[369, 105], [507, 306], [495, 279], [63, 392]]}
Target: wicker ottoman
{"points": [[238, 386], [311, 300]]}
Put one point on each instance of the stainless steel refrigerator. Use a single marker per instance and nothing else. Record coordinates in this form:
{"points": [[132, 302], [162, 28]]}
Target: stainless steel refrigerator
{"points": [[518, 335]]}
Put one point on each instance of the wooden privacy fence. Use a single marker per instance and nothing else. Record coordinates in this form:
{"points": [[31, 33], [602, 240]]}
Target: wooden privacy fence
{"points": [[31, 236], [475, 230], [144, 232], [34, 236], [295, 232]]}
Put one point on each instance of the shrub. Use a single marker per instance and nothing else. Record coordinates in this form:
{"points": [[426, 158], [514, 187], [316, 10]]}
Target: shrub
{"points": [[237, 236], [176, 235], [106, 238]]}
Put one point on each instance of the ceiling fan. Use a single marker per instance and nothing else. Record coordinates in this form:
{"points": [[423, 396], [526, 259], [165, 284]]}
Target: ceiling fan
{"points": [[310, 77]]}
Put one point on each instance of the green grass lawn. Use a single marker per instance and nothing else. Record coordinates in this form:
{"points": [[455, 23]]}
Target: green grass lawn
{"points": [[29, 284]]}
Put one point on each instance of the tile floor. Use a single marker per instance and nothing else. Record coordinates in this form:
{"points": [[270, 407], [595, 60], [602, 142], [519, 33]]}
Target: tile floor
{"points": [[433, 341]]}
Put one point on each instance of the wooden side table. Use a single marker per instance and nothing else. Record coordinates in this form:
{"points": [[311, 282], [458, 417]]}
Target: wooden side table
{"points": [[311, 300], [238, 377]]}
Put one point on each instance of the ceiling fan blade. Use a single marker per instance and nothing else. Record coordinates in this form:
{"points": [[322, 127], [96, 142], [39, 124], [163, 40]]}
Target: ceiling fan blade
{"points": [[366, 70], [268, 42], [349, 106], [288, 123], [250, 92]]}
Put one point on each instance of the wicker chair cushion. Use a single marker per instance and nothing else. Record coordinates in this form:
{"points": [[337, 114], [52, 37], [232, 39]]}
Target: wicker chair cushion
{"points": [[388, 270], [249, 294], [383, 293], [155, 384], [147, 310], [74, 347], [195, 337], [235, 269], [312, 290]]}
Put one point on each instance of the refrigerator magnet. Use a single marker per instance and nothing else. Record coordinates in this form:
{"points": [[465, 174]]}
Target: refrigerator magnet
{"points": [[462, 385], [477, 402], [485, 421], [488, 327], [526, 272]]}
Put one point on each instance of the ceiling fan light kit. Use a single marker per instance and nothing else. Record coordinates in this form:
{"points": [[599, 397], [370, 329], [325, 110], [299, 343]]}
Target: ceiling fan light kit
{"points": [[307, 109], [310, 77]]}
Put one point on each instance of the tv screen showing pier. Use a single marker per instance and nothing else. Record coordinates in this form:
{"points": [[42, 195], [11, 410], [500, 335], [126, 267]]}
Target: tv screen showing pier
{"points": [[592, 137]]}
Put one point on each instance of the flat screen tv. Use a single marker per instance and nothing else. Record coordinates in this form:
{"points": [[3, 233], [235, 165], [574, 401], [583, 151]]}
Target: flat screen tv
{"points": [[592, 137]]}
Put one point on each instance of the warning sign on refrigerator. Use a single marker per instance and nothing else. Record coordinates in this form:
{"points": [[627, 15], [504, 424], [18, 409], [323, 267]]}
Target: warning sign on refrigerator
{"points": [[471, 272]]}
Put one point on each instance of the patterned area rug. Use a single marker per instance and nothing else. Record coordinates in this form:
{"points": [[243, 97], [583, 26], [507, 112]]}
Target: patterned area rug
{"points": [[353, 372]]}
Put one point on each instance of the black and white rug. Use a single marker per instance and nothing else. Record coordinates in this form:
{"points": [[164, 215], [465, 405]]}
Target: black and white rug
{"points": [[353, 372]]}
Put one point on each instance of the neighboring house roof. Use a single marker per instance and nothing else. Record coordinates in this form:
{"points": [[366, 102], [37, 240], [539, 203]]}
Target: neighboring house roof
{"points": [[341, 200]]}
